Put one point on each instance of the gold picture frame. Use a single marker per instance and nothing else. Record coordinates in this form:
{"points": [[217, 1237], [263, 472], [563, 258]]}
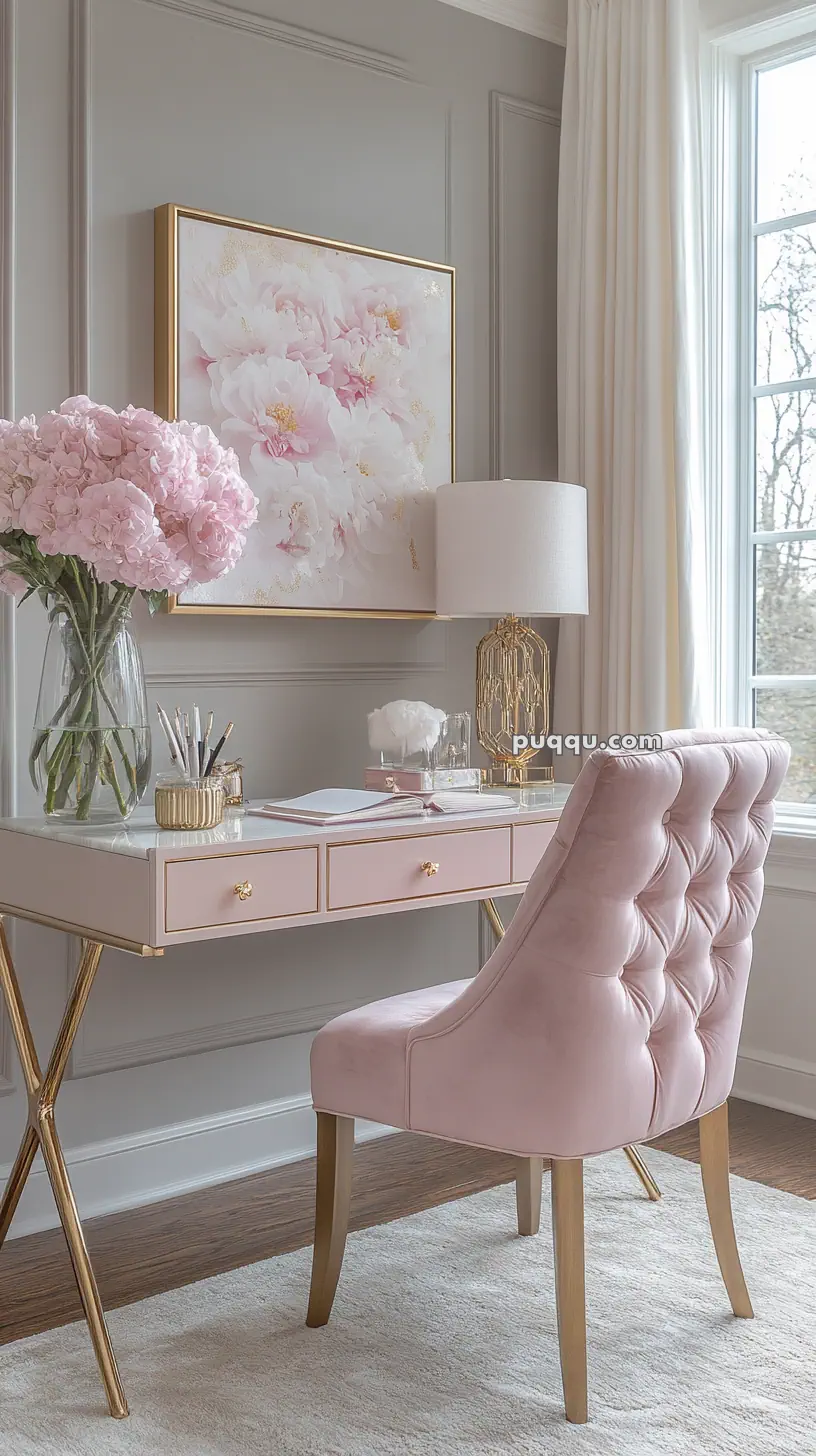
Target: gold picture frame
{"points": [[166, 372]]}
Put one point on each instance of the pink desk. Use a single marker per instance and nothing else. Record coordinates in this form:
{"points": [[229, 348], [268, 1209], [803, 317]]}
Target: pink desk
{"points": [[142, 889]]}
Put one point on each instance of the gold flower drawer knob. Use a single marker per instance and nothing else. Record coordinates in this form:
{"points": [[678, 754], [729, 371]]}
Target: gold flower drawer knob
{"points": [[429, 867], [244, 890]]}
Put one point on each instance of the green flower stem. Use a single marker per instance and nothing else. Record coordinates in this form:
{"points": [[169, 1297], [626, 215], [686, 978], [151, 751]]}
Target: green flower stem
{"points": [[57, 792], [52, 763], [114, 782], [42, 737], [95, 754], [117, 615]]}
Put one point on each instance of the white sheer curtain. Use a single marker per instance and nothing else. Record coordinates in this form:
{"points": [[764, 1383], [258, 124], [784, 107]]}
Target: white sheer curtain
{"points": [[631, 370]]}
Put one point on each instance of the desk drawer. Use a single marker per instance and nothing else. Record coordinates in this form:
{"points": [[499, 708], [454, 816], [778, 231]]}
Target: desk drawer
{"points": [[394, 869], [529, 844], [203, 892]]}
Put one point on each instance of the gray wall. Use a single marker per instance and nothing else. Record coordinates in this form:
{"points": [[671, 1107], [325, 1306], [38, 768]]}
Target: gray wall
{"points": [[410, 127]]}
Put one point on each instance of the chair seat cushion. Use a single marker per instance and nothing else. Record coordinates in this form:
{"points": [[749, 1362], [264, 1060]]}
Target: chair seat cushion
{"points": [[359, 1059]]}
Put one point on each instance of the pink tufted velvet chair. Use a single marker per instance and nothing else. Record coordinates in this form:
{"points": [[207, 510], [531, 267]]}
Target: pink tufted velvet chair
{"points": [[609, 1013]]}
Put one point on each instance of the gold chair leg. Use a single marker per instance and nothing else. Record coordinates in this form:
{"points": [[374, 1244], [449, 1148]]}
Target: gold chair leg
{"points": [[41, 1131], [528, 1194], [643, 1173], [335, 1148], [568, 1246], [714, 1162]]}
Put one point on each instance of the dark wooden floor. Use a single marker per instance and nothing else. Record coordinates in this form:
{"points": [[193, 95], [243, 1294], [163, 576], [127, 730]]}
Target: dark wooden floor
{"points": [[165, 1245]]}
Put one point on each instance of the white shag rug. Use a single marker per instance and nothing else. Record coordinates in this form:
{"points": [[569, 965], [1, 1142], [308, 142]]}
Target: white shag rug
{"points": [[443, 1340]]}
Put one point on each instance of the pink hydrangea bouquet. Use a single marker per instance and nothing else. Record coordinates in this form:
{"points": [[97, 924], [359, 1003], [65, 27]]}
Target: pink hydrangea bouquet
{"points": [[95, 506]]}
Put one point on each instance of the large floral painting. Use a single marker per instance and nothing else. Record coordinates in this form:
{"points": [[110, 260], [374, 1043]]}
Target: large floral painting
{"points": [[329, 369]]}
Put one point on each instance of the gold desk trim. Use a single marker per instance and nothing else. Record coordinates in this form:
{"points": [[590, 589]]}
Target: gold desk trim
{"points": [[84, 932]]}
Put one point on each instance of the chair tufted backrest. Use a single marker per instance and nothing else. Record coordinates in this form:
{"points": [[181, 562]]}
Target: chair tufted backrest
{"points": [[612, 1009]]}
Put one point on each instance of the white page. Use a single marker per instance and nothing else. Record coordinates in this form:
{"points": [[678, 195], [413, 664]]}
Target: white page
{"points": [[333, 801]]}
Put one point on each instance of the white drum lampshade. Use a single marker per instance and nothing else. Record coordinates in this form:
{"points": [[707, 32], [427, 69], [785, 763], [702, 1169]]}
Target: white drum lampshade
{"points": [[515, 546], [512, 549]]}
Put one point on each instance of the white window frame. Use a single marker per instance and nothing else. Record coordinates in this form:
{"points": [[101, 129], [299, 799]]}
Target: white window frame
{"points": [[734, 538]]}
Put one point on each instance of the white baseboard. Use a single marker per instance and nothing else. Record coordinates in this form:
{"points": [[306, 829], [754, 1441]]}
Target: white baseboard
{"points": [[775, 1081], [128, 1172], [163, 1162]]}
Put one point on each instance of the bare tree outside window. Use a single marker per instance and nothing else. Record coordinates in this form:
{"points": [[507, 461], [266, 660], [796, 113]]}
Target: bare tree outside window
{"points": [[784, 398]]}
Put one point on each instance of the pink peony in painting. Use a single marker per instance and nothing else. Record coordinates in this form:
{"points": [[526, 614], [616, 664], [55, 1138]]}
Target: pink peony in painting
{"points": [[330, 372]]}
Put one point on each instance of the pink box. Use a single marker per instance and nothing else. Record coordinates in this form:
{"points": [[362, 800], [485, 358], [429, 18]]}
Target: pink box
{"points": [[421, 780]]}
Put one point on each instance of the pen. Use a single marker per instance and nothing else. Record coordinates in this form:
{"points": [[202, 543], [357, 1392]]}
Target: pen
{"points": [[172, 744], [207, 731], [182, 742], [192, 756], [219, 745], [199, 746]]}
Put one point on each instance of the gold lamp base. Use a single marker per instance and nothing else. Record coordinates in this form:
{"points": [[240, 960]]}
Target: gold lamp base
{"points": [[513, 776], [513, 702]]}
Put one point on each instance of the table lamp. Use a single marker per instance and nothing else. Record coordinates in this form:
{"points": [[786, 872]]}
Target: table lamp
{"points": [[512, 549]]}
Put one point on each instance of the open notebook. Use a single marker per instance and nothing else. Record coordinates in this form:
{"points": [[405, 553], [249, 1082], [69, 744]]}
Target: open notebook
{"points": [[356, 806]]}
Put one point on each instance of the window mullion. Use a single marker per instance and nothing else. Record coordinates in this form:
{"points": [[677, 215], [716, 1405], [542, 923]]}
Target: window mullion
{"points": [[782, 224], [788, 386], [777, 538], [783, 680]]}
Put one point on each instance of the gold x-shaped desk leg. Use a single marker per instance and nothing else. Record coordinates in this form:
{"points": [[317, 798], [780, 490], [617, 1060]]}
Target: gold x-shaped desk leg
{"points": [[41, 1132], [497, 926]]}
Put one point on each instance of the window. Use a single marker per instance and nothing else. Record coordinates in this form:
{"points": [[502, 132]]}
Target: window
{"points": [[780, 681]]}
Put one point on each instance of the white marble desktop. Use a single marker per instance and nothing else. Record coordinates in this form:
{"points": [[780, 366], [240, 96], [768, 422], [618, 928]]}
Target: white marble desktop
{"points": [[141, 836]]}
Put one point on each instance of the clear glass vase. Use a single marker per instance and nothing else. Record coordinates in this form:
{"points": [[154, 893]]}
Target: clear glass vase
{"points": [[90, 750]]}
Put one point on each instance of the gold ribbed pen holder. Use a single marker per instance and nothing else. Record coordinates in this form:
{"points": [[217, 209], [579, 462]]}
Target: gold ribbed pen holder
{"points": [[189, 803]]}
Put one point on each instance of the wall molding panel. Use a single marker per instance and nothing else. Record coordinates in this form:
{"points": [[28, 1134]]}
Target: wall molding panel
{"points": [[81, 297], [8, 625], [8, 183], [449, 192], [501, 106], [90, 1062], [308, 674], [286, 34], [80, 323]]}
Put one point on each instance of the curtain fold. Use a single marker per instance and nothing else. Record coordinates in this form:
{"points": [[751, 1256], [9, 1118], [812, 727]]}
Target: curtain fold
{"points": [[631, 365]]}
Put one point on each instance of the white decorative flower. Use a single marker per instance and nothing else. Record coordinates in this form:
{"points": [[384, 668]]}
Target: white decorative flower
{"points": [[405, 727]]}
